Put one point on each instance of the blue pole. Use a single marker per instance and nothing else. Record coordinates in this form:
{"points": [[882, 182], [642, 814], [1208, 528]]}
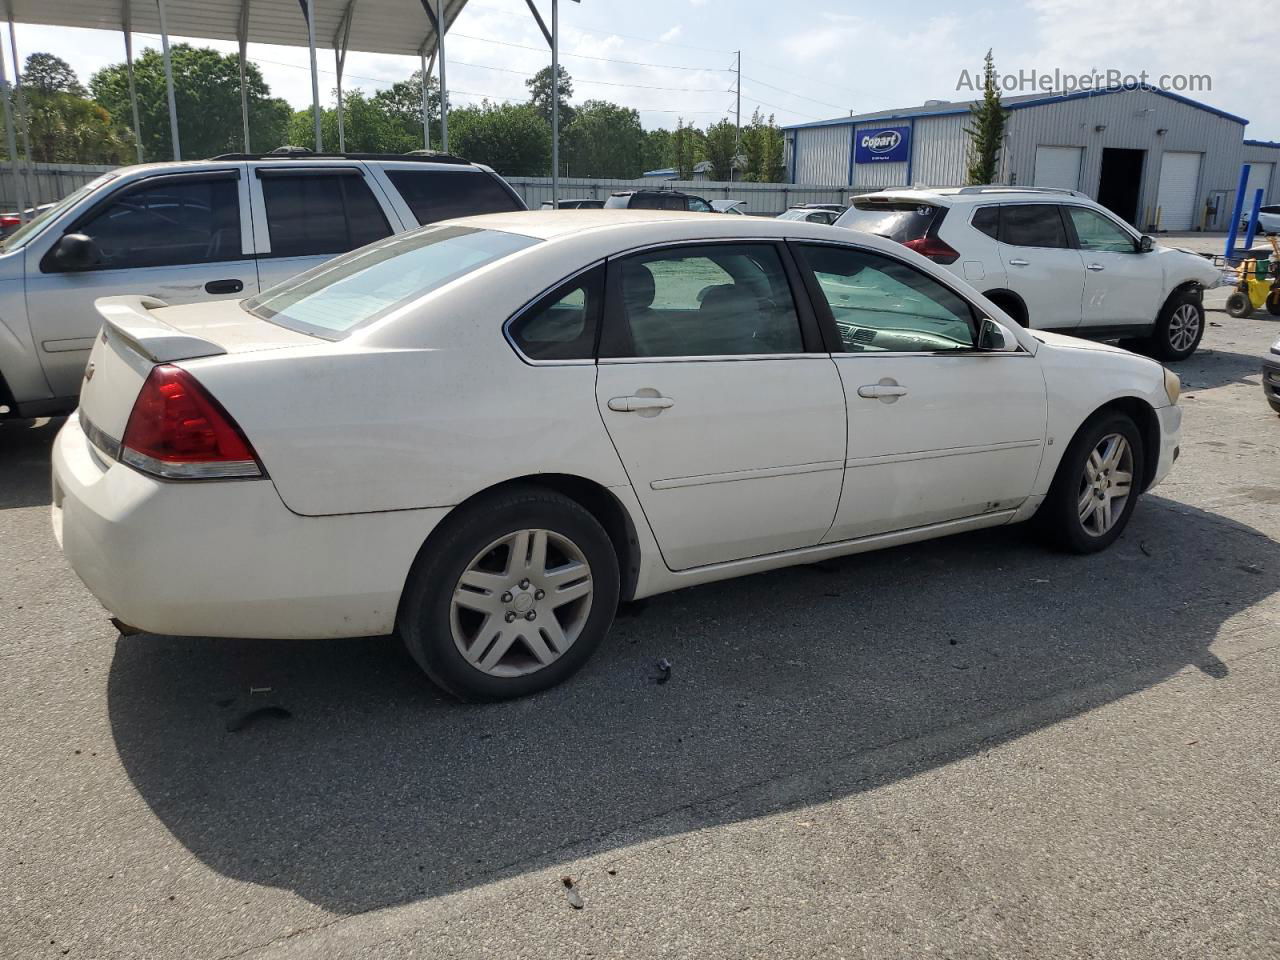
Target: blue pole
{"points": [[1253, 219], [1235, 213]]}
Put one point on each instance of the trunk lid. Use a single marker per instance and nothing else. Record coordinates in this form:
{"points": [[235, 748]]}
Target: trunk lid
{"points": [[140, 332]]}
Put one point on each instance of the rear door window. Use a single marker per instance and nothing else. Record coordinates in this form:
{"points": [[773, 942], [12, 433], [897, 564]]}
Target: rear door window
{"points": [[1032, 225], [898, 220], [435, 195], [315, 213]]}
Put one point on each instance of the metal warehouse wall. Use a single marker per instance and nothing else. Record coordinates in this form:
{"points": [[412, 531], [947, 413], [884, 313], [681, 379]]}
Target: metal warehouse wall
{"points": [[822, 154], [762, 198], [1131, 119], [1256, 153], [940, 151]]}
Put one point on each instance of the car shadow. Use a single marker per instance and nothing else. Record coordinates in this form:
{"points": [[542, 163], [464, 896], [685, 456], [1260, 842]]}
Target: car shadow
{"points": [[24, 461], [1207, 369], [361, 787]]}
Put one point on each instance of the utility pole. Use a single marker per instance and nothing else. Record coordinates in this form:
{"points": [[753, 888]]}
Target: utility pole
{"points": [[737, 144]]}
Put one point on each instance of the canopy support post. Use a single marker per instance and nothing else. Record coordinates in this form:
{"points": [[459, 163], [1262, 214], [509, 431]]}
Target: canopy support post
{"points": [[308, 13], [552, 37], [444, 87], [242, 35], [126, 24], [168, 81], [11, 141], [24, 114], [340, 41], [424, 73]]}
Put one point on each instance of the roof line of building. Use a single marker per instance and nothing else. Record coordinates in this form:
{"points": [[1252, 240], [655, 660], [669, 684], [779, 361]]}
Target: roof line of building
{"points": [[1263, 143], [1020, 105]]}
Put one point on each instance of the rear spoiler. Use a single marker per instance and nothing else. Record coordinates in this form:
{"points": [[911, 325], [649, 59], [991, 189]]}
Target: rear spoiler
{"points": [[130, 319]]}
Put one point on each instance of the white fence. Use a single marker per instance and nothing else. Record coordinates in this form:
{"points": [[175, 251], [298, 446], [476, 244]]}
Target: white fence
{"points": [[45, 182], [765, 199]]}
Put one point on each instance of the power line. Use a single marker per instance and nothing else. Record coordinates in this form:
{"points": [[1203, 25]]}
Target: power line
{"points": [[583, 56], [800, 96]]}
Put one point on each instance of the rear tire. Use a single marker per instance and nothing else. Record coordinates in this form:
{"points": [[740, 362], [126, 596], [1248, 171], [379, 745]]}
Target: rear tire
{"points": [[1239, 306], [1179, 327], [1273, 303], [1096, 487], [511, 596]]}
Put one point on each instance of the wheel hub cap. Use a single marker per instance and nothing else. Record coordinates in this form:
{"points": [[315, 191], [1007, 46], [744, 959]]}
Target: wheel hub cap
{"points": [[1105, 484], [521, 603]]}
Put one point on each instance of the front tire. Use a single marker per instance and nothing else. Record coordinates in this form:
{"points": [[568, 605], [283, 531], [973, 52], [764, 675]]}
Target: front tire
{"points": [[1239, 306], [1179, 327], [1096, 487], [511, 596], [1273, 303]]}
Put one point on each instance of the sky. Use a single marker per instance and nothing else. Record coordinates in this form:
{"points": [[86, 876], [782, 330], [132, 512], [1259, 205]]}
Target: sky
{"points": [[802, 60]]}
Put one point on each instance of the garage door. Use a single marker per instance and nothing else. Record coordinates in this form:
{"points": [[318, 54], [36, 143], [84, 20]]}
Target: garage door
{"points": [[1259, 179], [1058, 167], [1179, 177]]}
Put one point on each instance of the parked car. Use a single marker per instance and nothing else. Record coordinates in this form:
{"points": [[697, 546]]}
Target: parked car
{"points": [[11, 221], [730, 206], [657, 200], [1271, 377], [1052, 260], [585, 203], [1268, 220], [215, 229], [467, 434], [809, 215]]}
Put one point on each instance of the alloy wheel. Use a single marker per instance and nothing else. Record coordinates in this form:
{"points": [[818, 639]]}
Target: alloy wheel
{"points": [[1184, 327], [521, 603], [1105, 484]]}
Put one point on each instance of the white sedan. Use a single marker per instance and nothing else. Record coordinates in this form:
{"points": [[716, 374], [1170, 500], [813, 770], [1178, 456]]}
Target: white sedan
{"points": [[482, 435]]}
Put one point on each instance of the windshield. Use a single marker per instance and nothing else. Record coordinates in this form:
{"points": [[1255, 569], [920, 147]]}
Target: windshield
{"points": [[793, 215], [898, 220], [366, 284], [35, 226]]}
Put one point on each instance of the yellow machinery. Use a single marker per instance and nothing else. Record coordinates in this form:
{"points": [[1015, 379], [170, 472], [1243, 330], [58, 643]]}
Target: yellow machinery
{"points": [[1257, 284]]}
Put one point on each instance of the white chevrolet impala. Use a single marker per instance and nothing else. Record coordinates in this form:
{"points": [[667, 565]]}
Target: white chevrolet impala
{"points": [[482, 435]]}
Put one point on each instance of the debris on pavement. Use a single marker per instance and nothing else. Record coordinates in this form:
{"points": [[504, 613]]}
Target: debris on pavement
{"points": [[571, 893], [1145, 549], [664, 671]]}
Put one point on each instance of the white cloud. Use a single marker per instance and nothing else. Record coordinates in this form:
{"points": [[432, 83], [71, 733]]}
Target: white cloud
{"points": [[671, 34]]}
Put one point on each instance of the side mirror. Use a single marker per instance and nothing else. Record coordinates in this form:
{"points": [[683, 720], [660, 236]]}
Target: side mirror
{"points": [[993, 338], [1146, 244], [75, 251]]}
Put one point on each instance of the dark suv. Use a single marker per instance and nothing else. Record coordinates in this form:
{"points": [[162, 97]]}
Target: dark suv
{"points": [[657, 200]]}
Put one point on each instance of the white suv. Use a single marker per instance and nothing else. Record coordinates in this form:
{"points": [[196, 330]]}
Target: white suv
{"points": [[1051, 259], [207, 230]]}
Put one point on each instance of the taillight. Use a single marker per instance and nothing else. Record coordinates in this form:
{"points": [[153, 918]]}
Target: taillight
{"points": [[7, 221], [934, 248], [179, 432]]}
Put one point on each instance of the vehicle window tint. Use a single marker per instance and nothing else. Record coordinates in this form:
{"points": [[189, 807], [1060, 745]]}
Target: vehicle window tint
{"points": [[883, 305], [987, 220], [698, 205], [435, 195], [1032, 225], [313, 215], [184, 221], [1096, 232], [719, 300], [562, 326], [898, 220]]}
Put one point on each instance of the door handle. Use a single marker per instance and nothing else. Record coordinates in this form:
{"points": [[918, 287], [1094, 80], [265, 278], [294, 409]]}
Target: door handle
{"points": [[636, 404], [1019, 262], [882, 391], [1095, 267], [224, 286]]}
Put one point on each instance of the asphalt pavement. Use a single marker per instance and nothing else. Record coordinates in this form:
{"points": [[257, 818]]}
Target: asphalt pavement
{"points": [[967, 748]]}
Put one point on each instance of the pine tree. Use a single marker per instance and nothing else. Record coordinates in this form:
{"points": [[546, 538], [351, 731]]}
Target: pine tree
{"points": [[987, 131]]}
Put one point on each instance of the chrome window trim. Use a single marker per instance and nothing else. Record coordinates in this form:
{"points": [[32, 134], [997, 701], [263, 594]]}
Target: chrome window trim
{"points": [[718, 358]]}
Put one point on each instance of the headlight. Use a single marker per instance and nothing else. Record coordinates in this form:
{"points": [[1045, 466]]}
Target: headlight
{"points": [[1172, 385]]}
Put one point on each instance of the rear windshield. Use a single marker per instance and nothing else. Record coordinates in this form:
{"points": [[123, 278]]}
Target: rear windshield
{"points": [[898, 220], [367, 284]]}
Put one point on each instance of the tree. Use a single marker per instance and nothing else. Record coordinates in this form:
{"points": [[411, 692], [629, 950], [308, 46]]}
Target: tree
{"points": [[368, 127], [762, 147], [685, 149], [605, 140], [511, 138], [402, 104], [655, 152], [207, 91], [986, 133], [540, 94], [66, 128], [46, 73], [722, 149]]}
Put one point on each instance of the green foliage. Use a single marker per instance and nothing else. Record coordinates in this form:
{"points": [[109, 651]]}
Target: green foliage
{"points": [[688, 148], [368, 127], [656, 152], [604, 140], [762, 147], [66, 128], [722, 149], [511, 138], [207, 91], [402, 105], [47, 73], [986, 132], [540, 94]]}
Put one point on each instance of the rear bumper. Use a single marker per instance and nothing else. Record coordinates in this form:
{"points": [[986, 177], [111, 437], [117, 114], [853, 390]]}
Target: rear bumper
{"points": [[226, 558], [1170, 437]]}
